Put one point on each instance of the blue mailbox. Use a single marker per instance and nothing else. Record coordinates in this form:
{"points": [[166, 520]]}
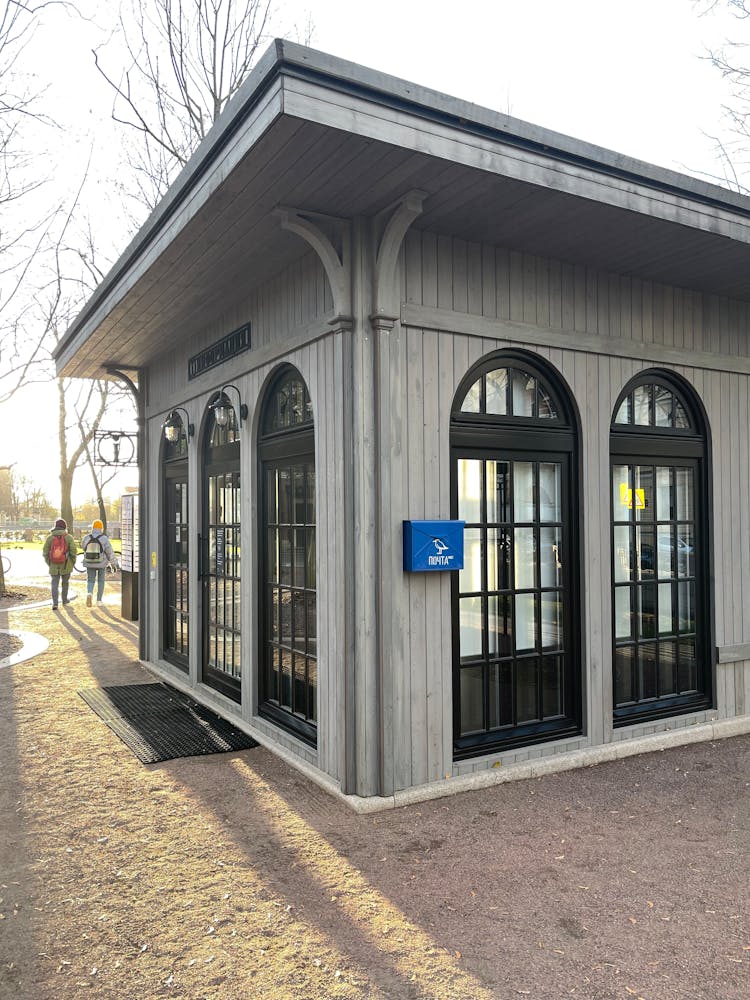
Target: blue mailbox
{"points": [[433, 545]]}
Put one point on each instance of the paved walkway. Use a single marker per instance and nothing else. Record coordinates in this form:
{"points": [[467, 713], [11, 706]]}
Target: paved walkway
{"points": [[233, 877]]}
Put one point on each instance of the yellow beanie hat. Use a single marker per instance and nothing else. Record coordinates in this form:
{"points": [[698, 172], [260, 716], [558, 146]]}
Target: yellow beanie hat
{"points": [[97, 526]]}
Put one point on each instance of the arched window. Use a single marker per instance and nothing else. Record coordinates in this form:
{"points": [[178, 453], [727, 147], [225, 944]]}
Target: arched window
{"points": [[516, 609], [175, 616], [660, 558], [220, 543], [288, 611]]}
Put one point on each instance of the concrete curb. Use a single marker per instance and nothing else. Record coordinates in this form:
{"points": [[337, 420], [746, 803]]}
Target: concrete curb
{"points": [[33, 645]]}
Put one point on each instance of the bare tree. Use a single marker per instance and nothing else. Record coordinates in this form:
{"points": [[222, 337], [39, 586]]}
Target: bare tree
{"points": [[186, 59], [731, 60]]}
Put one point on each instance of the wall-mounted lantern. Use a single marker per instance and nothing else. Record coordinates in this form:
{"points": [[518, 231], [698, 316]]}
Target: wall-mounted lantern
{"points": [[173, 425], [222, 404]]}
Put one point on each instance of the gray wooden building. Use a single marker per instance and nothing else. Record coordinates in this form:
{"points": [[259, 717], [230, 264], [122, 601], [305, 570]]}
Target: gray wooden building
{"points": [[362, 303]]}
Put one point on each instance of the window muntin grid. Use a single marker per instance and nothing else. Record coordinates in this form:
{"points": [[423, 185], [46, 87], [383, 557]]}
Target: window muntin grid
{"points": [[510, 392], [177, 575], [511, 595]]}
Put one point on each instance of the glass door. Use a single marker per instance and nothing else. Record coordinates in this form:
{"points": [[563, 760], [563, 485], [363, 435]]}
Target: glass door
{"points": [[515, 679], [176, 576]]}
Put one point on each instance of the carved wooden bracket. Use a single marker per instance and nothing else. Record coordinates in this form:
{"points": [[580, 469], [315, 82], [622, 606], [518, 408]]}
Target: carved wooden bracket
{"points": [[386, 305], [336, 260]]}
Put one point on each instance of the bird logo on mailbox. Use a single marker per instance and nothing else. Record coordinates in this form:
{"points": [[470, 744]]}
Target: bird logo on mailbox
{"points": [[433, 545]]}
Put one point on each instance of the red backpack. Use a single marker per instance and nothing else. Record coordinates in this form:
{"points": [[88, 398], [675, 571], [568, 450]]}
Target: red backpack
{"points": [[58, 550]]}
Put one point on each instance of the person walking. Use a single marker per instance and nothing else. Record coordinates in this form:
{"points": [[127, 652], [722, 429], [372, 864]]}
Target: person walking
{"points": [[60, 551], [97, 555]]}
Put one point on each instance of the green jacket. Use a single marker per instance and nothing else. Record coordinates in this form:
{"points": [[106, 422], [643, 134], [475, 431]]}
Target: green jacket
{"points": [[66, 568]]}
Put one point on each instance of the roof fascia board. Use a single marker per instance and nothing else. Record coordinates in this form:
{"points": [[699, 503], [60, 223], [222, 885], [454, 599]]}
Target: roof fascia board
{"points": [[314, 102], [336, 73]]}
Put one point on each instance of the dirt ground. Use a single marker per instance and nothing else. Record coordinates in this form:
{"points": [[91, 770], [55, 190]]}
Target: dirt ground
{"points": [[232, 877]]}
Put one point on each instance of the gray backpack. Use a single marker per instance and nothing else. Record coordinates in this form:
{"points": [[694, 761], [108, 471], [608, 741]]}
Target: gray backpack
{"points": [[93, 551]]}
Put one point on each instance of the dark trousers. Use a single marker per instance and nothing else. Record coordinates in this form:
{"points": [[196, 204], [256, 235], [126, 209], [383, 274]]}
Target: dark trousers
{"points": [[56, 588]]}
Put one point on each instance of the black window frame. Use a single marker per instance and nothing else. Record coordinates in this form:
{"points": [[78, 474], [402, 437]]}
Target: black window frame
{"points": [[283, 447], [537, 440], [221, 458], [174, 466], [642, 445]]}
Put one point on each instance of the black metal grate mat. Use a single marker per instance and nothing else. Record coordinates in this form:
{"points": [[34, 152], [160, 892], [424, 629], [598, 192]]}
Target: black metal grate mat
{"points": [[157, 722]]}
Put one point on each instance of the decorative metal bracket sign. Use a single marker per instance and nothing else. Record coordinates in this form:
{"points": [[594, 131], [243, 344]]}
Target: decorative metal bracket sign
{"points": [[118, 448], [228, 347]]}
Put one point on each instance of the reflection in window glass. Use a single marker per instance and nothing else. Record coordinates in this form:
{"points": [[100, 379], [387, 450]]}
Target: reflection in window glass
{"points": [[496, 388], [664, 506], [663, 406], [473, 400], [472, 700], [641, 405], [523, 491], [525, 631], [470, 577], [498, 492], [549, 491], [469, 490], [523, 389], [524, 558], [470, 627]]}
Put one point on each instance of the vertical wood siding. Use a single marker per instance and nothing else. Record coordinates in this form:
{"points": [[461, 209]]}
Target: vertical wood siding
{"points": [[490, 282]]}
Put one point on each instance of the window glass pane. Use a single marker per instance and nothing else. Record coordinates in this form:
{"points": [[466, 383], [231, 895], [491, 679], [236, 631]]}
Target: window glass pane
{"points": [[496, 388], [624, 411], [498, 559], [643, 493], [312, 689], [551, 620], [498, 492], [687, 676], [524, 558], [550, 557], [647, 610], [623, 561], [641, 407], [500, 624], [524, 507], [663, 406], [625, 689], [644, 553], [527, 691], [684, 491], [500, 700], [545, 409], [523, 391], [550, 508], [664, 499], [472, 700], [681, 419], [525, 630], [686, 606], [470, 627], [473, 400], [666, 615], [622, 490], [647, 664], [667, 668], [470, 577], [665, 551], [623, 613], [552, 686], [469, 490], [685, 550]]}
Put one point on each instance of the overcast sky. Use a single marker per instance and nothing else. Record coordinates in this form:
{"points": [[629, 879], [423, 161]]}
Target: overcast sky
{"points": [[628, 77]]}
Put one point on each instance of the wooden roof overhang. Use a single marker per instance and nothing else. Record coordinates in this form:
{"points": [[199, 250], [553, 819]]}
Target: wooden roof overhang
{"points": [[324, 135]]}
